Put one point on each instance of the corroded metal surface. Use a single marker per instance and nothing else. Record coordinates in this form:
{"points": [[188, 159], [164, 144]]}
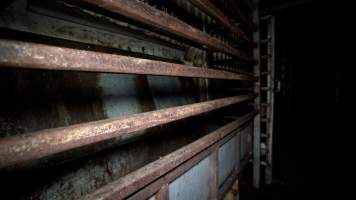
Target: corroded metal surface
{"points": [[210, 8], [18, 149], [129, 184], [38, 56], [151, 16]]}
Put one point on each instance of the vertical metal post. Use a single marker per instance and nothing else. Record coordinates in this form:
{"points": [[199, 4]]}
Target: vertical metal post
{"points": [[257, 120], [270, 97]]}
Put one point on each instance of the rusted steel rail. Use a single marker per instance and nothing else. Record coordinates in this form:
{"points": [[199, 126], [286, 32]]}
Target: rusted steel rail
{"points": [[39, 56], [212, 10], [19, 149], [144, 13], [161, 172]]}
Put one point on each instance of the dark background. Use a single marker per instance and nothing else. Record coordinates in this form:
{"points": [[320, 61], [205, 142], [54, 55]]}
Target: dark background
{"points": [[310, 110]]}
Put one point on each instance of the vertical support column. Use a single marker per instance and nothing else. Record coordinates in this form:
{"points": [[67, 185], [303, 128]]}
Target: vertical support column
{"points": [[257, 120], [214, 183], [270, 97]]}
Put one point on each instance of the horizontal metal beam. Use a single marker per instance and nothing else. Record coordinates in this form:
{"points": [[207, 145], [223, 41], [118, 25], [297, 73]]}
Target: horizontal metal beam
{"points": [[146, 14], [138, 179], [19, 149], [212, 10], [38, 56]]}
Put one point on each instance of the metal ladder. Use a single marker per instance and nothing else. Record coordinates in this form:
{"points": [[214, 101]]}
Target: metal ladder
{"points": [[267, 94], [264, 70]]}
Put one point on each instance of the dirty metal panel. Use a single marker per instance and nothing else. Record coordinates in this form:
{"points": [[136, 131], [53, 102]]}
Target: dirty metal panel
{"points": [[238, 152], [120, 94], [227, 159], [168, 92], [246, 141], [244, 136], [193, 184]]}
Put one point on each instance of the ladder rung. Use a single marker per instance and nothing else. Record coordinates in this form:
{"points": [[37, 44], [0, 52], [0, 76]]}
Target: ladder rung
{"points": [[265, 88], [264, 119], [265, 40], [264, 135], [265, 104], [266, 17], [263, 146], [266, 56], [266, 73], [264, 163]]}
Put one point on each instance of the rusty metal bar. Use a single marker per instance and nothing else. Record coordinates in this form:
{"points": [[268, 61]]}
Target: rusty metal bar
{"points": [[140, 178], [19, 149], [144, 13], [208, 7], [38, 56]]}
